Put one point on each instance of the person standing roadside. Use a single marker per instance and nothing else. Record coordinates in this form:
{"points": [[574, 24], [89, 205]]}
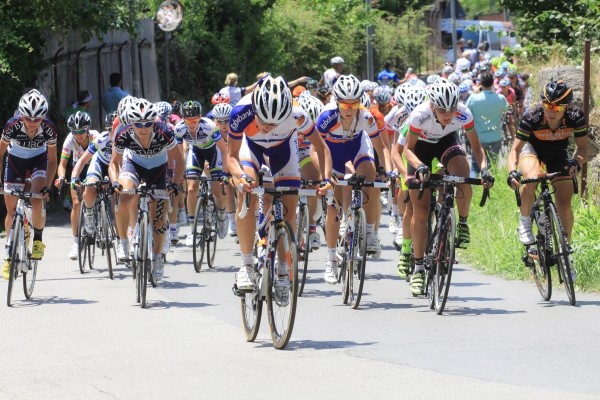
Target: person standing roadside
{"points": [[232, 90], [387, 77], [332, 74], [487, 108], [111, 98]]}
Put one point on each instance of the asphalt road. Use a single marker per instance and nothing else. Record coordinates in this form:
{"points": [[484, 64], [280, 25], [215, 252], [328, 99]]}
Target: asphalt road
{"points": [[83, 336]]}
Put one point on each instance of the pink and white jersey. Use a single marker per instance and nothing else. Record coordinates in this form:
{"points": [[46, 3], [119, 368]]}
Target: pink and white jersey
{"points": [[330, 127], [395, 118], [242, 122], [423, 123]]}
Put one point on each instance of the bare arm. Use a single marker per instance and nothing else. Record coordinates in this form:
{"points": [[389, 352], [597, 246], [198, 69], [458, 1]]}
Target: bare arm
{"points": [[323, 153], [115, 166], [52, 164], [382, 152], [175, 154], [84, 159]]}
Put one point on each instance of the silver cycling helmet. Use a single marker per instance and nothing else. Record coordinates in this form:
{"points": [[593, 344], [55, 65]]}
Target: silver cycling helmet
{"points": [[33, 104], [413, 97], [122, 109], [79, 120], [141, 110], [311, 106], [221, 110], [444, 94]]}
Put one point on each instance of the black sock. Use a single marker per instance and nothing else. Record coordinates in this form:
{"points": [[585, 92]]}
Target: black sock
{"points": [[37, 234], [462, 220]]}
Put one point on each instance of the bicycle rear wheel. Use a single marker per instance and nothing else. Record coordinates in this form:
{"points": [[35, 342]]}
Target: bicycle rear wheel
{"points": [[358, 261], [198, 234], [562, 252], [444, 262], [539, 263], [303, 245], [211, 235], [252, 311], [282, 313], [16, 253], [344, 265]]}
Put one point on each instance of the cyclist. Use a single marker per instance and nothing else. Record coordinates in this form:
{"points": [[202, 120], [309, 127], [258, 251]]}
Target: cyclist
{"points": [[148, 145], [93, 165], [543, 137], [220, 113], [32, 152], [507, 91], [201, 138], [351, 133], [265, 124], [432, 134], [75, 144]]}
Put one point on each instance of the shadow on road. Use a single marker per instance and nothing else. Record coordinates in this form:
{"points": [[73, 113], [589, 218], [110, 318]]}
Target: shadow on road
{"points": [[317, 345], [165, 305], [467, 311], [177, 285], [369, 305], [37, 301]]}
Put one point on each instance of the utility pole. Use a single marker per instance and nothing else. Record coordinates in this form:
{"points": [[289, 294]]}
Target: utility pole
{"points": [[454, 36], [135, 67], [370, 67]]}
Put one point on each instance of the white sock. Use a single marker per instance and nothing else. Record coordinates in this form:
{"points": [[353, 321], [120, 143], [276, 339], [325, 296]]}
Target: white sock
{"points": [[76, 240], [370, 228], [394, 209], [525, 220], [125, 243], [247, 259], [331, 254]]}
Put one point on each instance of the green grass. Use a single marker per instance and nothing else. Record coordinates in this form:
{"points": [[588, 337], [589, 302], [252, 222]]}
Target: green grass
{"points": [[495, 246]]}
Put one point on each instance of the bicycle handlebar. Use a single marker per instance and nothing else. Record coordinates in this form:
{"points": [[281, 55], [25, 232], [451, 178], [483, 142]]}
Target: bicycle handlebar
{"points": [[435, 180], [545, 177]]}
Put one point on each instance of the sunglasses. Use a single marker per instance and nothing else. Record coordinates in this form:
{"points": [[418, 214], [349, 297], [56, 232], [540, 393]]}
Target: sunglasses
{"points": [[266, 123], [222, 121], [79, 131], [349, 106], [446, 110], [31, 119], [554, 107], [143, 124], [192, 120]]}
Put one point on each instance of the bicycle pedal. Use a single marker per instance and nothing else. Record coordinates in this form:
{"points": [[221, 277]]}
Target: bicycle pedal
{"points": [[237, 292]]}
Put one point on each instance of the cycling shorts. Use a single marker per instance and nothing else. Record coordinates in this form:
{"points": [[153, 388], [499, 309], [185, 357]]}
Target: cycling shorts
{"points": [[134, 172], [197, 157], [304, 156], [97, 168], [357, 150], [282, 160], [554, 154], [18, 169], [445, 150]]}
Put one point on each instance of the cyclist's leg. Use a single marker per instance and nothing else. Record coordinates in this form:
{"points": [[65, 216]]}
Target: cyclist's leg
{"points": [[129, 178], [193, 168], [364, 163]]}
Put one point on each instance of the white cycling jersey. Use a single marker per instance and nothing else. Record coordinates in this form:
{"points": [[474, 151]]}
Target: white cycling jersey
{"points": [[423, 123], [71, 147]]}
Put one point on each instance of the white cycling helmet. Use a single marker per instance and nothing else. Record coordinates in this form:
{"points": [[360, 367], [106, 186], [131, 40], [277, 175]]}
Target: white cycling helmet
{"points": [[272, 100], [337, 60], [122, 109], [101, 140], [400, 93], [454, 78], [79, 120], [413, 97], [347, 87], [365, 84], [33, 104], [141, 110], [382, 95], [365, 100], [444, 94], [163, 109], [221, 110], [311, 106], [433, 78]]}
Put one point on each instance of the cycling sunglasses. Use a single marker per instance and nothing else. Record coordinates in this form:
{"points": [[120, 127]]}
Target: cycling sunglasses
{"points": [[31, 119], [222, 121], [143, 124], [555, 107], [349, 106], [446, 110], [79, 131]]}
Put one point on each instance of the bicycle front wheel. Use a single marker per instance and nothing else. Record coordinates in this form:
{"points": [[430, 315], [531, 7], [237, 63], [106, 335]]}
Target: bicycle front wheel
{"points": [[562, 252], [211, 235], [539, 262], [82, 240], [29, 278], [143, 262], [282, 294], [198, 234], [358, 261], [444, 262], [107, 241], [251, 312], [16, 253], [303, 235]]}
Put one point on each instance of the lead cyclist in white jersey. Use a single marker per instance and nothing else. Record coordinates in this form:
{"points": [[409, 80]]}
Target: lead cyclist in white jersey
{"points": [[432, 134]]}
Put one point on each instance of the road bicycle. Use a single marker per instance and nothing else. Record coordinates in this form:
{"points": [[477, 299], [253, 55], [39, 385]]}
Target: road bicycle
{"points": [[205, 225], [19, 244], [142, 239], [552, 246], [277, 245], [104, 235], [441, 242], [352, 243]]}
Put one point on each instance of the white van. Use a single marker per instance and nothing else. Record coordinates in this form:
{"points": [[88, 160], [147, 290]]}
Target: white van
{"points": [[498, 34]]}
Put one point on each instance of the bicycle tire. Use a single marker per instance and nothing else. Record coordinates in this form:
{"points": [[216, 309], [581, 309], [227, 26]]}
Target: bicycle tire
{"points": [[539, 266], [358, 261], [211, 236], [198, 237], [343, 242], [81, 243], [282, 316], [106, 237], [444, 262], [16, 243], [303, 250], [562, 251], [143, 261], [252, 311], [91, 242]]}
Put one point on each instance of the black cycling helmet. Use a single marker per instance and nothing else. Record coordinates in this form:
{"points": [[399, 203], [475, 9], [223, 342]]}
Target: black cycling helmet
{"points": [[191, 108], [557, 92], [176, 107]]}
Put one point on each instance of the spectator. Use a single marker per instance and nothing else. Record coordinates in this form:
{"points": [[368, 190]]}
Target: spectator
{"points": [[387, 77], [448, 69], [462, 62], [330, 76], [111, 98], [232, 90], [487, 108]]}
